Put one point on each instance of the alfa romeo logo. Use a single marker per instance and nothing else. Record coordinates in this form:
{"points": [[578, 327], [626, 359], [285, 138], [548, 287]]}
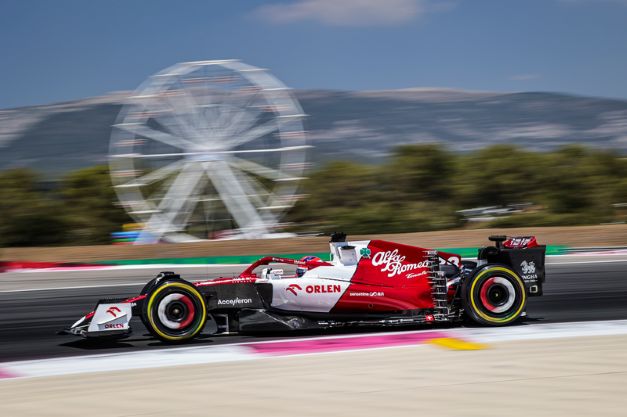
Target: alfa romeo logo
{"points": [[365, 252]]}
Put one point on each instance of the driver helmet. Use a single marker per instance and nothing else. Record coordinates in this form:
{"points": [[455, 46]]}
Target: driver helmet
{"points": [[300, 271]]}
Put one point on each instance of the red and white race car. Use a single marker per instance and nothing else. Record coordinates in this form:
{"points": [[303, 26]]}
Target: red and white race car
{"points": [[365, 283]]}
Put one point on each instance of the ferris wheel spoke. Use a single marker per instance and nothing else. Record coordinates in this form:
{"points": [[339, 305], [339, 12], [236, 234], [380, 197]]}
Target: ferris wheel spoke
{"points": [[184, 106], [164, 112], [234, 197], [243, 96], [182, 187], [177, 126], [187, 211], [159, 192], [261, 130], [186, 126], [260, 170], [241, 115], [228, 117], [282, 149], [211, 119], [242, 121], [163, 137], [174, 201], [212, 94], [255, 133], [153, 176], [255, 190], [234, 151]]}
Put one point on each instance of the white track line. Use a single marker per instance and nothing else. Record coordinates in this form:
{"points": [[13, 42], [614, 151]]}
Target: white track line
{"points": [[198, 355]]}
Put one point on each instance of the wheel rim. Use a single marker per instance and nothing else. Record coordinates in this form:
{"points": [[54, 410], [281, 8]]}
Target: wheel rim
{"points": [[497, 294], [176, 311]]}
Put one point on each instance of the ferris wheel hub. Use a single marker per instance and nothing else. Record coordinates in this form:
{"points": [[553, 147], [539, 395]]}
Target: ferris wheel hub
{"points": [[205, 157]]}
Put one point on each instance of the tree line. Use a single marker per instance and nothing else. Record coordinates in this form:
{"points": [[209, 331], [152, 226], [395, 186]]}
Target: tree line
{"points": [[423, 187], [80, 209], [417, 188]]}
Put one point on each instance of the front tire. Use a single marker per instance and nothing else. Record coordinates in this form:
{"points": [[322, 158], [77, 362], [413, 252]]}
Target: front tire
{"points": [[494, 296], [174, 311]]}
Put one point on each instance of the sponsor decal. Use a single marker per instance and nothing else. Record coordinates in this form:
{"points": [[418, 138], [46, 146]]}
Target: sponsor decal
{"points": [[519, 242], [451, 260], [416, 274], [235, 301], [365, 253], [114, 326], [239, 280], [528, 267], [529, 270], [366, 294], [113, 310], [323, 289], [315, 289], [293, 288], [393, 263]]}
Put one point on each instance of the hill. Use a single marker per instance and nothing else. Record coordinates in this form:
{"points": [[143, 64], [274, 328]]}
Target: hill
{"points": [[353, 125]]}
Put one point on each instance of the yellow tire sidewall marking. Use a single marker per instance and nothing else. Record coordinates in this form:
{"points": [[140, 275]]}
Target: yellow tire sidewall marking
{"points": [[187, 287], [493, 319]]}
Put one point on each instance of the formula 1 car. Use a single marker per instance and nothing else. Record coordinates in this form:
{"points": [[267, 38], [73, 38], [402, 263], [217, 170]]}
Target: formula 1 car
{"points": [[365, 283]]}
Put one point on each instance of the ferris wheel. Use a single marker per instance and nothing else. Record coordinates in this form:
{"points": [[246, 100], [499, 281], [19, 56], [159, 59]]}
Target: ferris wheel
{"points": [[206, 149]]}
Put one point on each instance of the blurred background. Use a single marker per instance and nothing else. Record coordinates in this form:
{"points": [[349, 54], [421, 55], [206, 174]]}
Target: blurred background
{"points": [[417, 115]]}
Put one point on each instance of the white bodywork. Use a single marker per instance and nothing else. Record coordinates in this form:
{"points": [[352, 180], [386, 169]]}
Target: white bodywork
{"points": [[319, 289], [111, 317], [307, 293], [342, 257]]}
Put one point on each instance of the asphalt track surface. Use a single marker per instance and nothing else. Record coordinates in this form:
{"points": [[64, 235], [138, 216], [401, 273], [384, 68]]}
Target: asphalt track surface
{"points": [[580, 289]]}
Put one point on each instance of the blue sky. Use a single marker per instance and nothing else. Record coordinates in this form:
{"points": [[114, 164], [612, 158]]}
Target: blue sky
{"points": [[67, 49]]}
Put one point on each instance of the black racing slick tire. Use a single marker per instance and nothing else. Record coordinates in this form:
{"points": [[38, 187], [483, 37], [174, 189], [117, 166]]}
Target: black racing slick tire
{"points": [[174, 311], [494, 296], [162, 276]]}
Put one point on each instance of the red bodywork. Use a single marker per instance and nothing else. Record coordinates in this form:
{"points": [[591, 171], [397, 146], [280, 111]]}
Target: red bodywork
{"points": [[520, 242], [389, 277], [399, 273]]}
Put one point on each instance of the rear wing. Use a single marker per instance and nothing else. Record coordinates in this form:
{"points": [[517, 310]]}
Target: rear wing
{"points": [[523, 254]]}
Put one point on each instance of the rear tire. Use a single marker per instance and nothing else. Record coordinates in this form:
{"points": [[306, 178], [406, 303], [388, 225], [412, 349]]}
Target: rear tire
{"points": [[174, 311], [494, 296]]}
